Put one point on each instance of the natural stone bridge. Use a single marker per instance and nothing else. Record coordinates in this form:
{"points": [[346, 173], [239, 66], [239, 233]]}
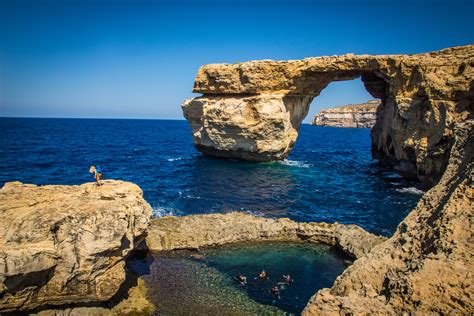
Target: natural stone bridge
{"points": [[253, 110]]}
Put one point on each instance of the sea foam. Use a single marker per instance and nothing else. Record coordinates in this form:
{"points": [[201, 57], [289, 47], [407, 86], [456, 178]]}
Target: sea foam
{"points": [[164, 211], [295, 163], [174, 159], [411, 190]]}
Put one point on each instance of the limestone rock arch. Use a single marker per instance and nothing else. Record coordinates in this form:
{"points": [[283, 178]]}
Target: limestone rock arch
{"points": [[253, 110]]}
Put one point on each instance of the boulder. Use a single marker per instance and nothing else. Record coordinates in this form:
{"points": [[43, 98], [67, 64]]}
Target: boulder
{"points": [[67, 244]]}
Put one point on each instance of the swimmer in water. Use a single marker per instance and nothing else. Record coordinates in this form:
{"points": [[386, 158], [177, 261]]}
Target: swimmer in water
{"points": [[263, 275], [287, 278], [276, 291], [242, 279]]}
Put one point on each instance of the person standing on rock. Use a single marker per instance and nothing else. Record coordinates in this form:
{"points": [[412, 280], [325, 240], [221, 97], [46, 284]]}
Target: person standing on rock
{"points": [[97, 173]]}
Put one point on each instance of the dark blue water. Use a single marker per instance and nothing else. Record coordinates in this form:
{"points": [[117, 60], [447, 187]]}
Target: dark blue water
{"points": [[329, 176]]}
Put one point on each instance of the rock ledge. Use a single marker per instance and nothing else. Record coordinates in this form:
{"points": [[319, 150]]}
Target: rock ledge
{"points": [[195, 231]]}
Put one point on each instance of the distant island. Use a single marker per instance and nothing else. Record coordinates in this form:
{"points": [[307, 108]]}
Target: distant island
{"points": [[361, 115]]}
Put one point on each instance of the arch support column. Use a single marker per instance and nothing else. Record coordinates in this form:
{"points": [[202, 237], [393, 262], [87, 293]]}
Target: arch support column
{"points": [[258, 127]]}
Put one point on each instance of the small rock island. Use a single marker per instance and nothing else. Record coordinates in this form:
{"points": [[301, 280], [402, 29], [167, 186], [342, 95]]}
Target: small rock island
{"points": [[361, 115]]}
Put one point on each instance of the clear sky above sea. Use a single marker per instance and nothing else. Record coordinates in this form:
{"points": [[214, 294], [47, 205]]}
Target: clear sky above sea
{"points": [[138, 59]]}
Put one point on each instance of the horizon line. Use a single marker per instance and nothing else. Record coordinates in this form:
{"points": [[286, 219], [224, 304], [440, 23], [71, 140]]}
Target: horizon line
{"points": [[93, 118], [102, 118]]}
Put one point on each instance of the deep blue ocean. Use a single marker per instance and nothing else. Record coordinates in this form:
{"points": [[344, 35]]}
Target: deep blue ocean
{"points": [[330, 175]]}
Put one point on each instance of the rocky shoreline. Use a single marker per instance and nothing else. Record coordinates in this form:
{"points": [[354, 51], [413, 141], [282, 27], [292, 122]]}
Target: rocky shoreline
{"points": [[69, 244], [426, 266], [362, 115], [210, 230]]}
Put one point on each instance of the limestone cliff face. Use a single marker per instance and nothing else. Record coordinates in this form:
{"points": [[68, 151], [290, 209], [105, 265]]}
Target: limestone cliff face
{"points": [[253, 110], [426, 267], [66, 244], [361, 115]]}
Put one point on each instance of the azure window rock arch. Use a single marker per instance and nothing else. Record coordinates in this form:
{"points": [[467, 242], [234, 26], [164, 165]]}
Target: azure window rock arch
{"points": [[253, 110]]}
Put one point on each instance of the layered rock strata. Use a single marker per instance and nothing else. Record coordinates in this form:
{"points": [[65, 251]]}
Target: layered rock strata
{"points": [[67, 244], [361, 115], [195, 231], [253, 110], [426, 267]]}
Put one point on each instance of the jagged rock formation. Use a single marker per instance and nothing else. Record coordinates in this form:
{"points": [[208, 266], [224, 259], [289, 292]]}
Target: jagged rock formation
{"points": [[426, 267], [135, 302], [361, 115], [253, 110], [170, 233], [67, 244]]}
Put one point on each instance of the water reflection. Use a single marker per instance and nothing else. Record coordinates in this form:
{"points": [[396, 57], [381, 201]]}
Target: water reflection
{"points": [[227, 184]]}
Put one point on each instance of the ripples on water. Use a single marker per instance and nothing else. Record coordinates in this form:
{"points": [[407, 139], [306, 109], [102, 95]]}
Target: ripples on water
{"points": [[329, 176], [182, 285]]}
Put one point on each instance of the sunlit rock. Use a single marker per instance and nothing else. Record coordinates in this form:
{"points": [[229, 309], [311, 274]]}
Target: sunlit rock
{"points": [[67, 244]]}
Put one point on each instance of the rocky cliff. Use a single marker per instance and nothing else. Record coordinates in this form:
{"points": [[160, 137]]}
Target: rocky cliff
{"points": [[67, 244], [426, 267], [253, 110], [361, 115]]}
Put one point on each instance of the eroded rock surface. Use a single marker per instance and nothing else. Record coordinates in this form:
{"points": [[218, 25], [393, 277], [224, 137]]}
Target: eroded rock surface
{"points": [[426, 267], [195, 231], [253, 110], [67, 244], [361, 115]]}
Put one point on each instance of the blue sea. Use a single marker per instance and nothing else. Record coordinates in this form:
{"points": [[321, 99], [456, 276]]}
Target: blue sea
{"points": [[330, 175]]}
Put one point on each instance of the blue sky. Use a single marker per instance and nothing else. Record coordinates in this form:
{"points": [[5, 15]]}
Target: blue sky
{"points": [[138, 59]]}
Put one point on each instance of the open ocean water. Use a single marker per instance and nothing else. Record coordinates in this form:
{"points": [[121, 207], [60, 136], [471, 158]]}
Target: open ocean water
{"points": [[330, 175]]}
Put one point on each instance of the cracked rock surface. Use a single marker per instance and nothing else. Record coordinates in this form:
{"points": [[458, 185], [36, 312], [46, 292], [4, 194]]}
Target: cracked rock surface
{"points": [[426, 267]]}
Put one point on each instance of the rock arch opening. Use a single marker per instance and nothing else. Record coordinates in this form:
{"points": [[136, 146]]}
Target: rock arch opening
{"points": [[263, 126], [312, 84], [341, 104]]}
